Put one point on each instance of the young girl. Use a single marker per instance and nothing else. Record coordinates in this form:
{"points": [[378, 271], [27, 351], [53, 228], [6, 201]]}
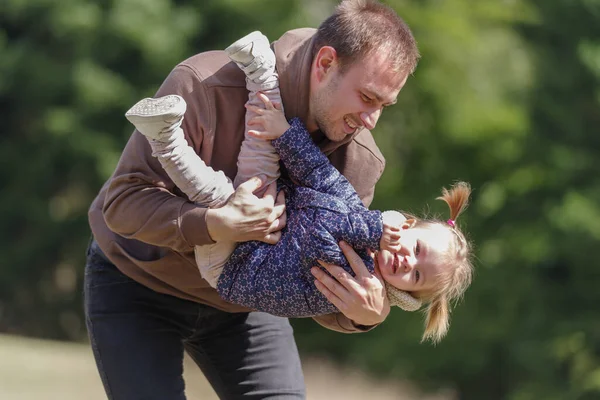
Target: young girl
{"points": [[420, 261]]}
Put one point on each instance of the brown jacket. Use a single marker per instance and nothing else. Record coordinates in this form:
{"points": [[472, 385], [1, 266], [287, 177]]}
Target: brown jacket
{"points": [[144, 224]]}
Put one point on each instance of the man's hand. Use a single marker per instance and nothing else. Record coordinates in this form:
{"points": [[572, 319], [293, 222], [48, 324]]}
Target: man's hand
{"points": [[246, 217], [361, 298]]}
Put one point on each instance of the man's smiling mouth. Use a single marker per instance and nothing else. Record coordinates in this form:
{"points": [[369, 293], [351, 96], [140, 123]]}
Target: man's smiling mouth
{"points": [[350, 123]]}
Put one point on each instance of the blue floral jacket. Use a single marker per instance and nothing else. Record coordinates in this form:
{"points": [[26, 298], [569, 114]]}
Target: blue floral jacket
{"points": [[322, 209]]}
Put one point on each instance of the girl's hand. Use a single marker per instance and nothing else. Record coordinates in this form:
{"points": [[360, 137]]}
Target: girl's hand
{"points": [[392, 223], [271, 119], [390, 240]]}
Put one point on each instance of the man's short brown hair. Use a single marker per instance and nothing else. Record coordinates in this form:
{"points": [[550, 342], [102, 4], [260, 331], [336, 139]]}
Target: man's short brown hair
{"points": [[359, 27]]}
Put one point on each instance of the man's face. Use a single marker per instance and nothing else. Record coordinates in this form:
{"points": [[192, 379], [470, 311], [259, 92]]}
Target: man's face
{"points": [[342, 103]]}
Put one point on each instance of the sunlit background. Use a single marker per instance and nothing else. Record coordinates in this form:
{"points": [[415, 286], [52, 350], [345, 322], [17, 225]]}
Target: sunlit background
{"points": [[506, 96]]}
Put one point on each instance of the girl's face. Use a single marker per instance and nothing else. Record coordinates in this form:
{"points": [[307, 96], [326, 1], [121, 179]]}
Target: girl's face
{"points": [[420, 260]]}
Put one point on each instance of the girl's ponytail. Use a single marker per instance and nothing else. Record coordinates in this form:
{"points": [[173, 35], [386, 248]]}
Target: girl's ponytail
{"points": [[457, 199], [438, 319]]}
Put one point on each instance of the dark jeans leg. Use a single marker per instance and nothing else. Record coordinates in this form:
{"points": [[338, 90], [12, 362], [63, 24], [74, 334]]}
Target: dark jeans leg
{"points": [[248, 356], [136, 334], [138, 338]]}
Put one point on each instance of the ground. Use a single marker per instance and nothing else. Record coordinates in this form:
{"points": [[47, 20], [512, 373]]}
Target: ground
{"points": [[38, 369]]}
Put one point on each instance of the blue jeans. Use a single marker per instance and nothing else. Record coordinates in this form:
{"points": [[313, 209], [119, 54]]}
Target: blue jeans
{"points": [[138, 337]]}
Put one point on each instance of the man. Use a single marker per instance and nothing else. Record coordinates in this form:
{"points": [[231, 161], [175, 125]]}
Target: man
{"points": [[145, 299]]}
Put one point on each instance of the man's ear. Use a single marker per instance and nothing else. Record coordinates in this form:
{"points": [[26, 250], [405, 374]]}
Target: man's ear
{"points": [[409, 223], [325, 59]]}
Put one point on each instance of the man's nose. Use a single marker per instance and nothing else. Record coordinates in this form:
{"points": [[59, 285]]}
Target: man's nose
{"points": [[369, 119]]}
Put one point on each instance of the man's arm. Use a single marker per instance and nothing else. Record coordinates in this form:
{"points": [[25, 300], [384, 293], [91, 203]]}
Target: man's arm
{"points": [[141, 202], [340, 323]]}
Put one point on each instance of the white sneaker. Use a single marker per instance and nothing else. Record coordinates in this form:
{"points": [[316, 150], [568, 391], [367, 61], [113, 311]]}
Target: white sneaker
{"points": [[254, 56], [156, 118]]}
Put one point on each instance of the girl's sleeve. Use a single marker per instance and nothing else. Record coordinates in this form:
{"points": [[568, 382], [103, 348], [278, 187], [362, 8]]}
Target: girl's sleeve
{"points": [[361, 230], [307, 166]]}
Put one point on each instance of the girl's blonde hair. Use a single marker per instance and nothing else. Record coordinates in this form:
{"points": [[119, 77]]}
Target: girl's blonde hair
{"points": [[453, 282]]}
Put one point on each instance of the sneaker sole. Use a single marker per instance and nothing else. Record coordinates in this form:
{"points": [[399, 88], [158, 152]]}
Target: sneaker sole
{"points": [[148, 109], [243, 42]]}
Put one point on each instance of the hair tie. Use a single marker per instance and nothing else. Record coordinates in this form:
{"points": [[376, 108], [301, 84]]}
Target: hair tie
{"points": [[451, 222]]}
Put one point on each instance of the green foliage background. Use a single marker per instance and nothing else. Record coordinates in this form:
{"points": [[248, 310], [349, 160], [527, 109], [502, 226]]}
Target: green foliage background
{"points": [[507, 96]]}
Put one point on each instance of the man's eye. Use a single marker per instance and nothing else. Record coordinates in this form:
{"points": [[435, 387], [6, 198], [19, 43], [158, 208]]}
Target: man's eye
{"points": [[365, 98]]}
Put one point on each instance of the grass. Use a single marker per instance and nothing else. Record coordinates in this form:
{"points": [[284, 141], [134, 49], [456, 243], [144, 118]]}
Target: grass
{"points": [[41, 369]]}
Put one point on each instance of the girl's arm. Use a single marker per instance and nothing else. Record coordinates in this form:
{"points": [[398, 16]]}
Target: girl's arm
{"points": [[362, 230], [309, 167]]}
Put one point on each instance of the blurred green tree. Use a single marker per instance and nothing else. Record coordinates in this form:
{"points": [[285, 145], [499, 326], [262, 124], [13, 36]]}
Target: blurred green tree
{"points": [[507, 96]]}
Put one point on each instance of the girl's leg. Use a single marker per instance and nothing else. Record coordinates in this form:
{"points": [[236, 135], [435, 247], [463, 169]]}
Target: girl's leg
{"points": [[160, 121], [254, 56]]}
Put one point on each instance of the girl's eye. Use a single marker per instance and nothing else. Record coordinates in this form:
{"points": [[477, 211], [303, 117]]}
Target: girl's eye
{"points": [[417, 276], [417, 248]]}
